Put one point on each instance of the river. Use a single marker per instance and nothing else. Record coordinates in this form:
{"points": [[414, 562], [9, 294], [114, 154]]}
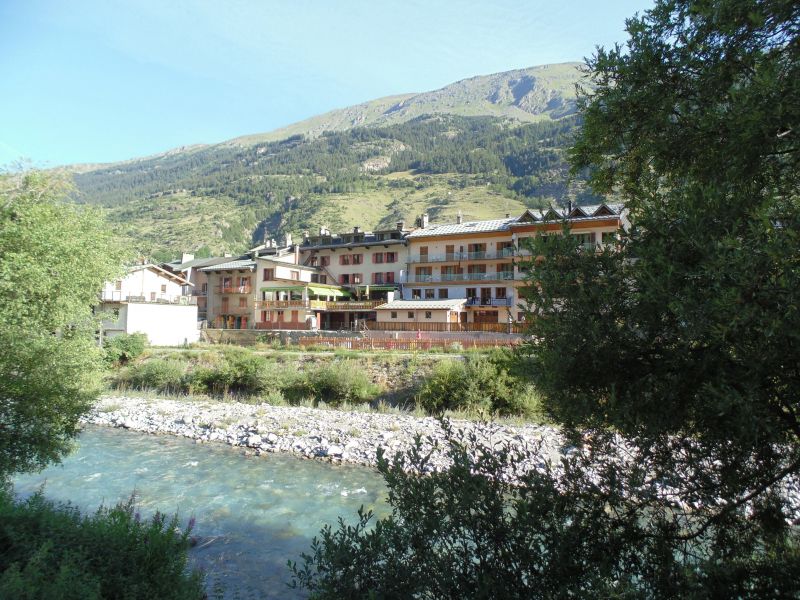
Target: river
{"points": [[252, 513]]}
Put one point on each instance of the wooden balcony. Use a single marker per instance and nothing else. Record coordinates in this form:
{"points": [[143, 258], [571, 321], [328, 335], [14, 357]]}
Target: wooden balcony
{"points": [[286, 325], [233, 289], [343, 305]]}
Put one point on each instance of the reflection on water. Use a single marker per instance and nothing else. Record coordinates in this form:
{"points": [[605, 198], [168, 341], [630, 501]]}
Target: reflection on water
{"points": [[253, 513]]}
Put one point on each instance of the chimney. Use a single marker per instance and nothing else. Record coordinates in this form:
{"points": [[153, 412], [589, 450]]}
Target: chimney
{"points": [[288, 240], [401, 225], [356, 229], [305, 237], [569, 207], [459, 218], [186, 257], [424, 220]]}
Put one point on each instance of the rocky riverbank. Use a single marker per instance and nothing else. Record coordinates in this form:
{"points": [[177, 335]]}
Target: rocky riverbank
{"points": [[336, 436]]}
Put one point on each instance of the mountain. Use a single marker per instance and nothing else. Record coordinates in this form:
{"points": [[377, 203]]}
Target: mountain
{"points": [[526, 95], [483, 146]]}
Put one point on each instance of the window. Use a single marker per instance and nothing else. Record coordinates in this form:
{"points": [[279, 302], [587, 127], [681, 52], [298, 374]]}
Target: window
{"points": [[163, 288], [450, 252], [243, 302], [394, 314], [430, 294], [390, 257], [244, 282], [377, 278], [377, 258], [118, 286], [586, 240], [313, 261], [358, 259], [500, 293], [389, 277], [444, 293], [294, 275], [323, 279], [411, 314], [269, 274], [472, 292], [356, 278], [325, 261], [428, 314], [205, 288], [344, 259], [416, 294]]}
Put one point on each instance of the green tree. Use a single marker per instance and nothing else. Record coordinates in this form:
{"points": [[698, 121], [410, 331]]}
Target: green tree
{"points": [[673, 361], [54, 258]]}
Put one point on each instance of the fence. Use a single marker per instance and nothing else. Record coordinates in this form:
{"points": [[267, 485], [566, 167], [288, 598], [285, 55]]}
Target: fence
{"points": [[451, 327], [411, 345]]}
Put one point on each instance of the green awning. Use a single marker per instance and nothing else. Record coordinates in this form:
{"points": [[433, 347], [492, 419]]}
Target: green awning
{"points": [[327, 291], [378, 288]]}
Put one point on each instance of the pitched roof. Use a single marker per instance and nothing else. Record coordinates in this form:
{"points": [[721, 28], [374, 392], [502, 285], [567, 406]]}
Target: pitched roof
{"points": [[159, 271], [451, 304], [465, 227], [197, 263]]}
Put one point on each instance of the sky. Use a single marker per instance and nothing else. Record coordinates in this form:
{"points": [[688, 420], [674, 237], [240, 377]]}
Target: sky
{"points": [[87, 81]]}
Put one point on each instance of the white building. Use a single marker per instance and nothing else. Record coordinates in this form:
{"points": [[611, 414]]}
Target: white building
{"points": [[150, 300]]}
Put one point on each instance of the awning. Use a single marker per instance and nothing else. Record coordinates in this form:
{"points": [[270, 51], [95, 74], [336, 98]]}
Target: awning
{"points": [[314, 290], [327, 291]]}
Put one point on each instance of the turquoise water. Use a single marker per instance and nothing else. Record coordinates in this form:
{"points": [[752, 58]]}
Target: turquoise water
{"points": [[252, 513]]}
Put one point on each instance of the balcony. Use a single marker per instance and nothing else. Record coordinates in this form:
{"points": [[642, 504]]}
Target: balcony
{"points": [[319, 305], [233, 289], [200, 293], [463, 256], [454, 277], [233, 310], [117, 296], [489, 302]]}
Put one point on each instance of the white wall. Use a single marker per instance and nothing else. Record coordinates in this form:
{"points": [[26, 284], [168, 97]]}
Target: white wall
{"points": [[164, 324], [145, 282]]}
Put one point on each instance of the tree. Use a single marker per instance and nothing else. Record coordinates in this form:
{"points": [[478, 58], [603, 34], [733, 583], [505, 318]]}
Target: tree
{"points": [[54, 258], [673, 361]]}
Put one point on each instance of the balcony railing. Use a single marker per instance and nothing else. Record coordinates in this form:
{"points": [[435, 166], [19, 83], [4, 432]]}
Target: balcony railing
{"points": [[422, 326], [293, 325], [200, 293], [489, 302], [461, 256], [116, 296], [233, 289], [318, 304], [233, 310], [449, 277]]}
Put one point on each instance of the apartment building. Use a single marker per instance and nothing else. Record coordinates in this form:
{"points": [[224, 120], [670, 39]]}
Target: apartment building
{"points": [[190, 268], [478, 262]]}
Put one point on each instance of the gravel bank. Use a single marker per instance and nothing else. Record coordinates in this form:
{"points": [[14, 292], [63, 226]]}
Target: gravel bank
{"points": [[336, 436]]}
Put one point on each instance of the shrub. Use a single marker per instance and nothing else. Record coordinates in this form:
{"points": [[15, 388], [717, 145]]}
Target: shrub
{"points": [[124, 348], [477, 383], [154, 374], [334, 383], [53, 551]]}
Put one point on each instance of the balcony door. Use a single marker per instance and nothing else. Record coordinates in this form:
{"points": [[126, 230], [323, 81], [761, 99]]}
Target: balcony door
{"points": [[486, 296]]}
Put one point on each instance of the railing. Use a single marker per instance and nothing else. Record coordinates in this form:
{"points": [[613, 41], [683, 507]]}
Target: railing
{"points": [[115, 296], [459, 256], [416, 326], [489, 302], [234, 310], [292, 325], [445, 277], [233, 289], [199, 292], [319, 304], [382, 344]]}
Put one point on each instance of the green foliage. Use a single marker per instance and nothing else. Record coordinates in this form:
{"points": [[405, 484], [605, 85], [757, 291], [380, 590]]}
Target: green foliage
{"points": [[339, 382], [125, 347], [470, 532], [55, 259], [52, 551], [154, 374], [477, 383]]}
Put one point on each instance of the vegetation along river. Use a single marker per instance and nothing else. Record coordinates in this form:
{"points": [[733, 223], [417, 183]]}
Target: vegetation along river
{"points": [[252, 513]]}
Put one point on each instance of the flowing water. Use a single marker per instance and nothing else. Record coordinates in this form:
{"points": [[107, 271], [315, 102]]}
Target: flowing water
{"points": [[252, 513]]}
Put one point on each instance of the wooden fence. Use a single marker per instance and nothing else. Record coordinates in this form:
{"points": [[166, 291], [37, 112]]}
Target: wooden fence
{"points": [[445, 327], [410, 345]]}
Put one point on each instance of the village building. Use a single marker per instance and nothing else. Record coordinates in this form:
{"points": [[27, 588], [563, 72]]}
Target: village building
{"points": [[190, 268], [153, 301]]}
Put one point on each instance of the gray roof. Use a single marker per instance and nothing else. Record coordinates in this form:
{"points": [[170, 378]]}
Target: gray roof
{"points": [[451, 304], [233, 264], [465, 227], [197, 263]]}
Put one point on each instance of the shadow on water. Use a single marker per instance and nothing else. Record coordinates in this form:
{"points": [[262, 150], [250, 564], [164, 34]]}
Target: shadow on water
{"points": [[252, 513]]}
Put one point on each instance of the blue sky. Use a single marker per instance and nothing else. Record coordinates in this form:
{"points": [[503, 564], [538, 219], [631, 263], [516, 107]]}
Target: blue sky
{"points": [[106, 80]]}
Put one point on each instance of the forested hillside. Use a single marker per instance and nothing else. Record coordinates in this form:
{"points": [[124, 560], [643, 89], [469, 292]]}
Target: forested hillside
{"points": [[226, 197]]}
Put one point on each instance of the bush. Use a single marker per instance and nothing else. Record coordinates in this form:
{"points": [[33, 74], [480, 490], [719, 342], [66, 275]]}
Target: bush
{"points": [[334, 384], [53, 551], [124, 348], [477, 383], [154, 374]]}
